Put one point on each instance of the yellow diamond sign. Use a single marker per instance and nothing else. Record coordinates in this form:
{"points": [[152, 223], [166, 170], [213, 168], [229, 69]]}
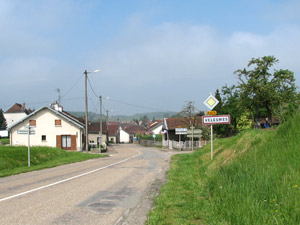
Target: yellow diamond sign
{"points": [[211, 102]]}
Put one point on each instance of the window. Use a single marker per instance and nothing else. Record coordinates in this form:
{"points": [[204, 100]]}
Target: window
{"points": [[57, 122], [66, 141], [43, 137], [32, 122]]}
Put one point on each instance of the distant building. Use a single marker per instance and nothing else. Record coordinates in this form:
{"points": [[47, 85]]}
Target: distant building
{"points": [[15, 113]]}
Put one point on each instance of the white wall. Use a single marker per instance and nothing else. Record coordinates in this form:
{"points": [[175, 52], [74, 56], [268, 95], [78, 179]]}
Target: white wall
{"points": [[157, 130], [13, 117], [124, 137], [45, 125]]}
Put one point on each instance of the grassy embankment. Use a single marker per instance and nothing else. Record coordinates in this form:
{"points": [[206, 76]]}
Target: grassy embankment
{"points": [[253, 179], [14, 159], [4, 141]]}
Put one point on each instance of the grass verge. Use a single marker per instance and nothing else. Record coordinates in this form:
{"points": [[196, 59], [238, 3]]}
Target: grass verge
{"points": [[14, 159], [253, 179], [4, 141]]}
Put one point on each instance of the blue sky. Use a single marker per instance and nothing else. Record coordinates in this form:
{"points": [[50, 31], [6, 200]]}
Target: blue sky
{"points": [[156, 54]]}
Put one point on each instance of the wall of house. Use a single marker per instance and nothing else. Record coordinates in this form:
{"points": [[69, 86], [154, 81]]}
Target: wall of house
{"points": [[11, 118], [124, 137], [94, 138], [112, 139], [45, 125], [157, 130]]}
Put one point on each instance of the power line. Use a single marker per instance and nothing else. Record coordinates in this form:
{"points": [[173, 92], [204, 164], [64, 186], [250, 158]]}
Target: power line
{"points": [[92, 88], [72, 86], [138, 106]]}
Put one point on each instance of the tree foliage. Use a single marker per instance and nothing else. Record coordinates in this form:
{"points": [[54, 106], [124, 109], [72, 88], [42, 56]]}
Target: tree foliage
{"points": [[265, 94], [3, 124], [228, 104]]}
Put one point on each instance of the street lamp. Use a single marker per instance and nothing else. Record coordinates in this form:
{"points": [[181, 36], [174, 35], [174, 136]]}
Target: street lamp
{"points": [[86, 111]]}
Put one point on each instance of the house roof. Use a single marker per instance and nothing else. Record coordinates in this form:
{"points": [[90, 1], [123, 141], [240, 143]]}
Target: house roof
{"points": [[94, 127], [63, 114], [113, 129], [134, 129], [155, 124], [18, 108], [184, 122]]}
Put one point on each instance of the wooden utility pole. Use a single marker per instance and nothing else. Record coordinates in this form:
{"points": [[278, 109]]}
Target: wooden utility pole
{"points": [[100, 134], [86, 115], [107, 127]]}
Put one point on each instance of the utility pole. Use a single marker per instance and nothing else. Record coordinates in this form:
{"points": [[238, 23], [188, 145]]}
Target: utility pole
{"points": [[100, 135], [107, 126], [86, 115]]}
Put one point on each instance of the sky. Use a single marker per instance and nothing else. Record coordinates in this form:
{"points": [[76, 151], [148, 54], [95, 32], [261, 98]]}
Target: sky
{"points": [[153, 55]]}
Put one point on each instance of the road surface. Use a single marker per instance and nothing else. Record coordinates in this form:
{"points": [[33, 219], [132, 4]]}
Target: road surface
{"points": [[112, 190]]}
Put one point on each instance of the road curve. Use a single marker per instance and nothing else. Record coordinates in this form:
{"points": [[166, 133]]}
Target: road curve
{"points": [[109, 190]]}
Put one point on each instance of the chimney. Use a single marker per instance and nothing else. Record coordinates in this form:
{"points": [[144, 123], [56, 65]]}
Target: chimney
{"points": [[23, 106], [57, 107]]}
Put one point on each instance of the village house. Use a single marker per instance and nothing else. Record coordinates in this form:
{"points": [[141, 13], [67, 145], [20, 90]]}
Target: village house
{"points": [[15, 113], [51, 127], [128, 132], [155, 127]]}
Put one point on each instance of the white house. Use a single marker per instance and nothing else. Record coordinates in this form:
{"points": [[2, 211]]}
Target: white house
{"points": [[123, 136], [156, 127], [52, 127], [15, 113]]}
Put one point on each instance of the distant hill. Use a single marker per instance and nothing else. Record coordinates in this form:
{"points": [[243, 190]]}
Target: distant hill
{"points": [[123, 118]]}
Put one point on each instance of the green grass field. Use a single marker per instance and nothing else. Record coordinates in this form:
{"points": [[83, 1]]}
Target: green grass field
{"points": [[4, 141], [14, 159], [253, 179]]}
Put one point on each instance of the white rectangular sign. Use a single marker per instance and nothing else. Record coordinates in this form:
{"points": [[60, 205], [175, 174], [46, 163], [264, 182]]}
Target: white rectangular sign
{"points": [[220, 119], [180, 131]]}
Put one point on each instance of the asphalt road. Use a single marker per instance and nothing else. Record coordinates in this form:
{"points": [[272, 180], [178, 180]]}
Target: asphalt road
{"points": [[113, 190]]}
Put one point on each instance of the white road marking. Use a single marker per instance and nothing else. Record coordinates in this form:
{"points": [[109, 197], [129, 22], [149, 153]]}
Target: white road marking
{"points": [[68, 179]]}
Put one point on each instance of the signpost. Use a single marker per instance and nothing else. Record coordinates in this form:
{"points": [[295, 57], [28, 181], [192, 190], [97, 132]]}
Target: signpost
{"points": [[29, 131], [211, 113], [211, 102], [220, 119], [154, 136]]}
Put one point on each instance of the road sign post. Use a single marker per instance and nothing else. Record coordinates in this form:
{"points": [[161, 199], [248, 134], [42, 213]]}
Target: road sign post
{"points": [[29, 132]]}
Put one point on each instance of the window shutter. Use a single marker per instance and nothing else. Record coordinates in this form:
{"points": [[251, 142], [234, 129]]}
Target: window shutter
{"points": [[32, 122], [57, 122], [58, 141], [73, 142]]}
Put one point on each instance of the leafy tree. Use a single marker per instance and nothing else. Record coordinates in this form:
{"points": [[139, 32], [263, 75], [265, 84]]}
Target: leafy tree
{"points": [[3, 124], [263, 93], [228, 104]]}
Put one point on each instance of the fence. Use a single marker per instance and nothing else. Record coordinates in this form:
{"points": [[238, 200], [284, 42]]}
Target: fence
{"points": [[183, 144]]}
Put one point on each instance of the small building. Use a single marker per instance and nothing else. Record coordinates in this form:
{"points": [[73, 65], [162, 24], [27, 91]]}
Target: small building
{"points": [[94, 133], [15, 113], [112, 132], [51, 127], [128, 132], [155, 127]]}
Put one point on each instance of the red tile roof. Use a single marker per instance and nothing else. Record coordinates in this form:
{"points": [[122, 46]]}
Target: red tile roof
{"points": [[18, 108], [134, 129], [183, 122], [94, 127], [113, 129]]}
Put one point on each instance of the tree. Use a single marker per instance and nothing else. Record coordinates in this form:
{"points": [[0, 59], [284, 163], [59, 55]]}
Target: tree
{"points": [[228, 104], [189, 111], [262, 92], [3, 124]]}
